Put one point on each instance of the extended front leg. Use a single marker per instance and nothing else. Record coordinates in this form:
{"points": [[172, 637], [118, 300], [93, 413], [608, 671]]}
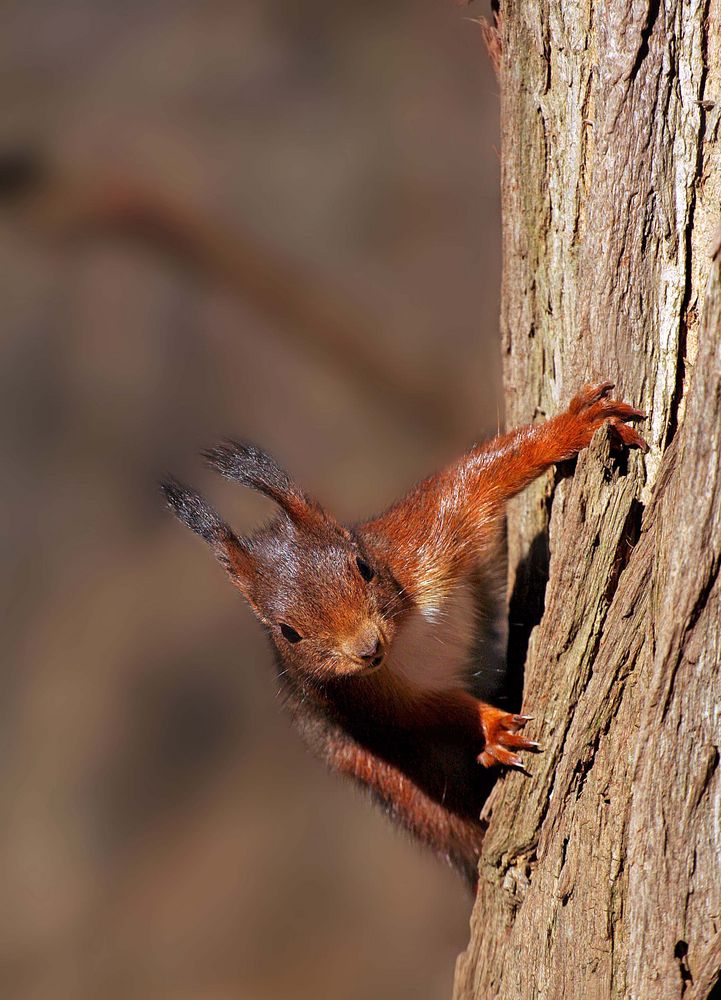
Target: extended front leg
{"points": [[442, 527], [517, 458]]}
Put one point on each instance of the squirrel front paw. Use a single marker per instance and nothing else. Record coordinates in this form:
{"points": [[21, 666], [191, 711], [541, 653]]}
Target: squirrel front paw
{"points": [[592, 407], [501, 735]]}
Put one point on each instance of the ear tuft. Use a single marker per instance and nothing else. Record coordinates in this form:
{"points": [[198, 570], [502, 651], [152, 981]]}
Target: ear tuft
{"points": [[194, 511], [251, 466]]}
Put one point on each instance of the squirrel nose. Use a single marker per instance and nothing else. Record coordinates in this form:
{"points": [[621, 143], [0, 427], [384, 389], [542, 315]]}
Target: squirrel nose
{"points": [[367, 646], [372, 650]]}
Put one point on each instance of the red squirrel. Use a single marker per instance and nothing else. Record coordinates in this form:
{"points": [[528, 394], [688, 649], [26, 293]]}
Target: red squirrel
{"points": [[373, 625]]}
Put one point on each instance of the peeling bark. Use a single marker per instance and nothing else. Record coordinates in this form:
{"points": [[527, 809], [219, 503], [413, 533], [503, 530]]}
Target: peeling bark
{"points": [[601, 874]]}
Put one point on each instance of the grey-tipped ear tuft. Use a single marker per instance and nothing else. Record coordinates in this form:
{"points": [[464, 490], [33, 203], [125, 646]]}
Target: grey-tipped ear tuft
{"points": [[194, 511], [249, 465]]}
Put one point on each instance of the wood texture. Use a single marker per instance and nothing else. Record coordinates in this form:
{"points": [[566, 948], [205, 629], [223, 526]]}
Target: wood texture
{"points": [[601, 874]]}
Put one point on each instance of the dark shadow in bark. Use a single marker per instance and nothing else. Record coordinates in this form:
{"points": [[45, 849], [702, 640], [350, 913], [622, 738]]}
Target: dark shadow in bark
{"points": [[715, 993], [525, 610]]}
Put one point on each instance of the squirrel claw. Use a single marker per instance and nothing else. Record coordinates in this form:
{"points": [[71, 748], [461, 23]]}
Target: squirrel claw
{"points": [[497, 755], [627, 436], [593, 406], [500, 730]]}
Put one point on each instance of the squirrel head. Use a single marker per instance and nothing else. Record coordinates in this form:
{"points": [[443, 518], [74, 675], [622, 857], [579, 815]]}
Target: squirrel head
{"points": [[329, 603]]}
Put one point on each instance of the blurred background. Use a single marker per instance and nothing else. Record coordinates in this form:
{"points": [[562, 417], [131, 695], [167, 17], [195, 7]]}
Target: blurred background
{"points": [[270, 220]]}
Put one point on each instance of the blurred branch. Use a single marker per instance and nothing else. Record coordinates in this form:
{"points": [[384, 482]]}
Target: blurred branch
{"points": [[304, 309]]}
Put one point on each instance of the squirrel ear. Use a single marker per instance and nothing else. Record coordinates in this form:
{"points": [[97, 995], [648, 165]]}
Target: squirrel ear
{"points": [[251, 466], [196, 513]]}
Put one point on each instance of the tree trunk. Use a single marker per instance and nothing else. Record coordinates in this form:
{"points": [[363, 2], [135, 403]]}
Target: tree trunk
{"points": [[601, 873]]}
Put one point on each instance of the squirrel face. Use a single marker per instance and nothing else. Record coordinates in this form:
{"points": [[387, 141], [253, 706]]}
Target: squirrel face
{"points": [[330, 606]]}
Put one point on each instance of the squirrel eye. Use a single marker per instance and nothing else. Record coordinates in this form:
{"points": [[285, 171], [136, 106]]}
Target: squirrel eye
{"points": [[364, 569], [290, 633]]}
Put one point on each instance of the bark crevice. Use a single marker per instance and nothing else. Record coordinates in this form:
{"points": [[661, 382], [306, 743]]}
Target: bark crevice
{"points": [[652, 13]]}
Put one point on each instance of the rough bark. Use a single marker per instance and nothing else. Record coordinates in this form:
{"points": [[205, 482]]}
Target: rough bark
{"points": [[601, 873]]}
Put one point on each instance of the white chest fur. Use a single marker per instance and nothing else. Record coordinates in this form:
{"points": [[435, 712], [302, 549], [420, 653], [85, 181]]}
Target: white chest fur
{"points": [[433, 649]]}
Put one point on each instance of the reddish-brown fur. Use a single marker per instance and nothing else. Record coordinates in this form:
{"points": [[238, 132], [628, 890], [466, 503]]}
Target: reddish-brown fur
{"points": [[338, 601]]}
